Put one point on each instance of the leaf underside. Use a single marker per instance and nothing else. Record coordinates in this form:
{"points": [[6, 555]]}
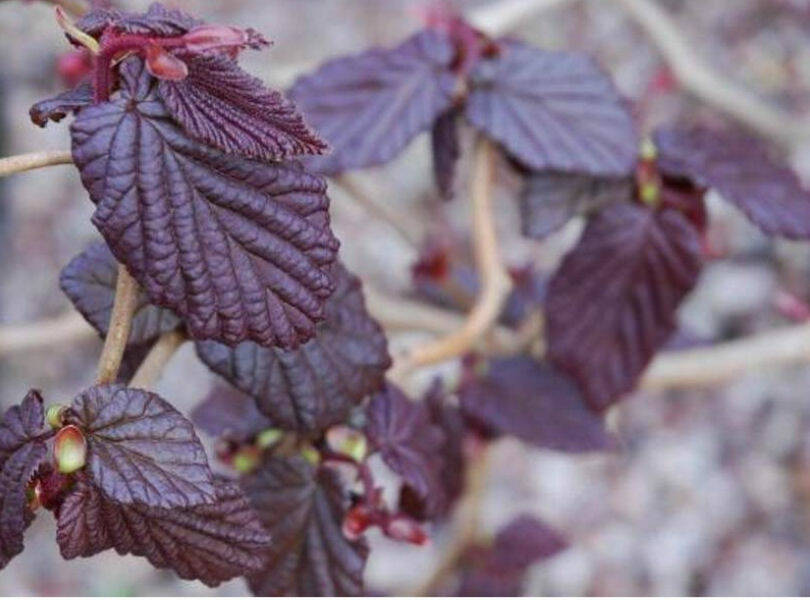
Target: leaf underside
{"points": [[612, 303], [743, 171], [140, 449], [550, 199], [552, 110], [20, 456], [89, 281], [211, 542], [239, 249], [370, 106], [303, 509], [221, 105], [401, 430], [315, 386], [530, 400]]}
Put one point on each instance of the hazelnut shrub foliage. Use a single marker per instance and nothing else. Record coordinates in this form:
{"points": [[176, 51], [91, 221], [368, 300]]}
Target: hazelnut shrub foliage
{"points": [[209, 188]]}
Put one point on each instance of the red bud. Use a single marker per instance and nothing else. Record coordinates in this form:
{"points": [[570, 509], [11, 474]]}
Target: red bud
{"points": [[215, 37], [73, 66], [405, 529], [356, 521], [163, 65]]}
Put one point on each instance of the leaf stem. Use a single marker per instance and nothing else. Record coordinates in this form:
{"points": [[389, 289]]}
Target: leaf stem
{"points": [[33, 160], [496, 283], [152, 366], [126, 300]]}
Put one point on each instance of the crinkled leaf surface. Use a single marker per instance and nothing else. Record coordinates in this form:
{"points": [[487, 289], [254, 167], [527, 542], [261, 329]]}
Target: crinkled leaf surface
{"points": [[221, 105], [530, 400], [157, 20], [446, 149], [369, 106], [229, 412], [238, 248], [20, 455], [89, 281], [303, 508], [140, 449], [211, 542], [612, 303], [401, 430], [58, 107], [313, 387], [552, 110], [743, 171], [550, 199]]}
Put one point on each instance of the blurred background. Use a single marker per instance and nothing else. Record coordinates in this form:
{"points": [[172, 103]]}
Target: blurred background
{"points": [[709, 492]]}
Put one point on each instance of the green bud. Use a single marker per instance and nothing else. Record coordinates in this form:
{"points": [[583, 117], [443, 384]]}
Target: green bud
{"points": [[70, 449], [311, 454], [648, 151], [54, 416], [268, 437], [246, 460], [650, 194]]}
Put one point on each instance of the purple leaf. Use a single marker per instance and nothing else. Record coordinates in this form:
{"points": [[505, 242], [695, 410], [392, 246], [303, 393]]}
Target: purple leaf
{"points": [[89, 281], [239, 249], [21, 453], [552, 110], [612, 303], [140, 449], [211, 542], [401, 430], [446, 151], [157, 21], [228, 412], [524, 541], [550, 199], [220, 105], [522, 397], [313, 387], [303, 508], [743, 171], [370, 106], [450, 458], [58, 107]]}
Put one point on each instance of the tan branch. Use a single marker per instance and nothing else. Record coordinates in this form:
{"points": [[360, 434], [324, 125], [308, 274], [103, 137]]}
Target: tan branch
{"points": [[69, 327], [152, 366], [495, 282], [126, 300], [499, 18], [33, 160]]}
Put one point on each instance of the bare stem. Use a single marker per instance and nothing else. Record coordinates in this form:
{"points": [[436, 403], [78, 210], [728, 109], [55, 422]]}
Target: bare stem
{"points": [[495, 282], [152, 366], [33, 160], [126, 300]]}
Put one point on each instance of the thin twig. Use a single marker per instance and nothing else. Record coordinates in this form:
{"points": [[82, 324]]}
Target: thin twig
{"points": [[152, 366], [33, 160], [69, 327], [499, 17], [407, 228], [495, 282], [126, 300], [466, 522]]}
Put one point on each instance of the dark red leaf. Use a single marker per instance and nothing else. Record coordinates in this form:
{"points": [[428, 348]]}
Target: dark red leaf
{"points": [[58, 107], [450, 458], [140, 449], [523, 541], [157, 21], [21, 453], [552, 110], [401, 430], [522, 397], [742, 169], [211, 542], [303, 508], [239, 249], [313, 387], [369, 106], [220, 105], [226, 411], [89, 281], [613, 301], [446, 151], [550, 199]]}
